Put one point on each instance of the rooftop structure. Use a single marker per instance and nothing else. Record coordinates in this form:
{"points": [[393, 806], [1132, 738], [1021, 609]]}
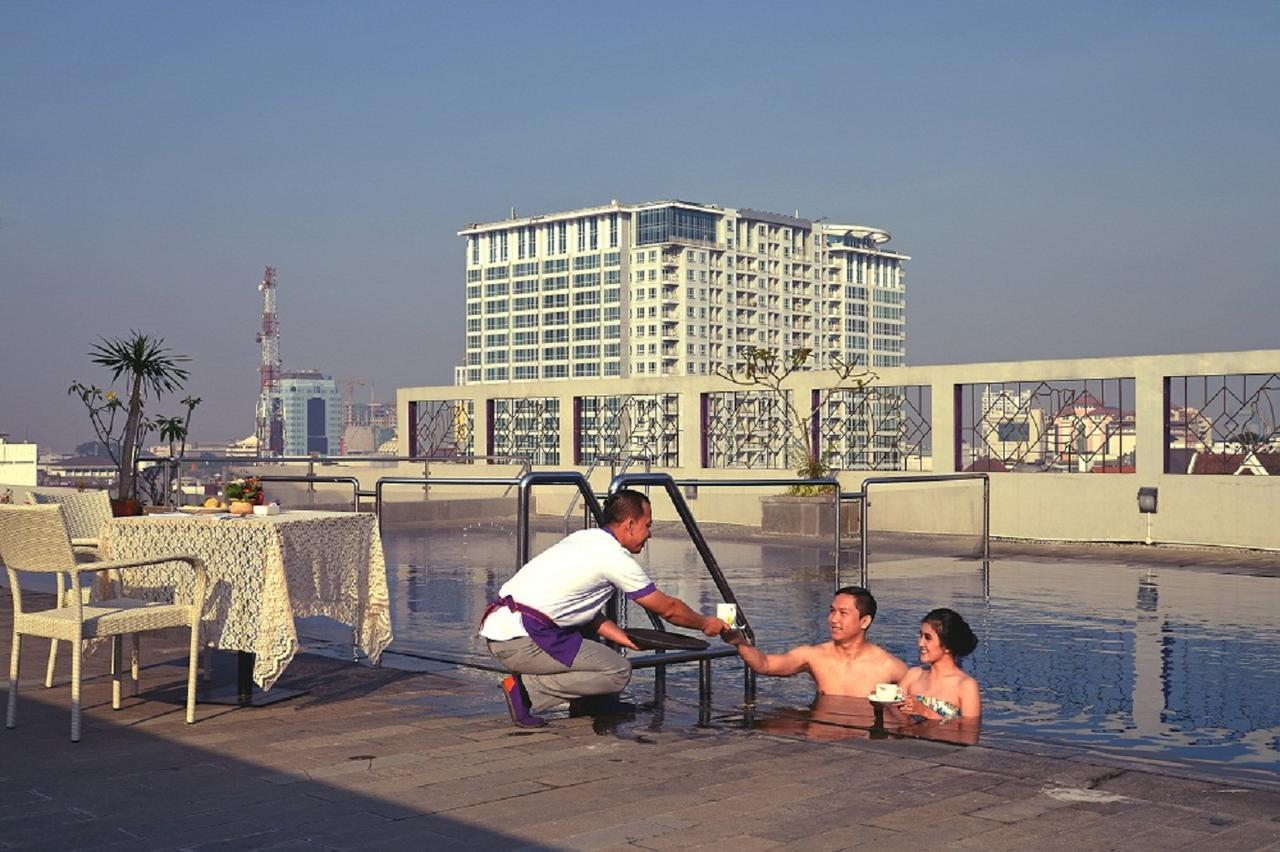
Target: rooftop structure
{"points": [[17, 462], [674, 288], [270, 429]]}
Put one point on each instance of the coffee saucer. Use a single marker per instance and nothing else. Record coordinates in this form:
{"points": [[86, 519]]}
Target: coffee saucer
{"points": [[872, 698]]}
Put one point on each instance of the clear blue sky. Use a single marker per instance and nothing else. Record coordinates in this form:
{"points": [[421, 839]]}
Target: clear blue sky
{"points": [[1071, 179]]}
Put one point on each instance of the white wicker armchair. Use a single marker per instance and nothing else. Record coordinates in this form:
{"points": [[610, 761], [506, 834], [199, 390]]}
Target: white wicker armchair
{"points": [[34, 539], [85, 514]]}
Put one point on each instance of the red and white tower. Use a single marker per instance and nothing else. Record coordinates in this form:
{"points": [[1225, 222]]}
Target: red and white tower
{"points": [[270, 417]]}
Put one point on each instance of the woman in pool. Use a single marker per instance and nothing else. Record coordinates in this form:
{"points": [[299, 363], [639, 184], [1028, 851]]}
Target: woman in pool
{"points": [[938, 689]]}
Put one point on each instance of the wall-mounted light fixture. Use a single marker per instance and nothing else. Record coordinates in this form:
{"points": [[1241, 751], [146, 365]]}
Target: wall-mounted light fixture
{"points": [[1147, 499]]}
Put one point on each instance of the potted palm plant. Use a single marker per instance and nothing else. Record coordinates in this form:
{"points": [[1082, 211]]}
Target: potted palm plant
{"points": [[150, 369]]}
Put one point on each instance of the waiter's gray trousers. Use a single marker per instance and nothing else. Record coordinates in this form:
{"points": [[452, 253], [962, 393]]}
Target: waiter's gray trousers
{"points": [[596, 670]]}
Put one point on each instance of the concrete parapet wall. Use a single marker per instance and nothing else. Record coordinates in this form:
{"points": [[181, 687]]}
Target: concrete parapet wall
{"points": [[1196, 509], [442, 510], [1214, 510]]}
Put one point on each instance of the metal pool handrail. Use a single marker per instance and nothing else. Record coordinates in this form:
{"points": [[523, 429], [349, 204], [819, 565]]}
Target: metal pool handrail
{"points": [[549, 477], [613, 463], [664, 481], [573, 502], [356, 493], [936, 477], [831, 482], [249, 462], [525, 485], [437, 480]]}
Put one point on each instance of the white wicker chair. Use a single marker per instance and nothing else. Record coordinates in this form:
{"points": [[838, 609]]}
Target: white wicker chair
{"points": [[85, 513], [34, 539]]}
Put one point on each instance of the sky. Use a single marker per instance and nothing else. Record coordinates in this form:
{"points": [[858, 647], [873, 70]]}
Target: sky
{"points": [[1070, 180]]}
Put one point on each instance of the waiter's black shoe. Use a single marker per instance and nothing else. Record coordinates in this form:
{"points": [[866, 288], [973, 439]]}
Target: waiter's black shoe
{"points": [[600, 705]]}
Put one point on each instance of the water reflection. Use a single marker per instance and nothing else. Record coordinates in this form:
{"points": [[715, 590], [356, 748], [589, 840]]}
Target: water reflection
{"points": [[842, 717], [1174, 665]]}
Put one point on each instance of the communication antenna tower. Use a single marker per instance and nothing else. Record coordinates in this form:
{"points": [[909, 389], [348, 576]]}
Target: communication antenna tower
{"points": [[270, 415]]}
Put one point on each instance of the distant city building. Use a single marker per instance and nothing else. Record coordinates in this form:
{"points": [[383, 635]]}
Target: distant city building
{"points": [[1086, 430], [674, 288], [81, 472], [17, 463], [246, 447], [1012, 428], [366, 426], [1251, 463], [1015, 432], [312, 407], [1189, 429]]}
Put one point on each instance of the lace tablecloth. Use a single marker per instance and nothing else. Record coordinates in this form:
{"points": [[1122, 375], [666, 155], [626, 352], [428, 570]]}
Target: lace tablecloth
{"points": [[263, 572]]}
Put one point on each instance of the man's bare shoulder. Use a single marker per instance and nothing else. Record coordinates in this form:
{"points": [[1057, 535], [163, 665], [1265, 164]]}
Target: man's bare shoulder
{"points": [[878, 652], [887, 660], [870, 654], [808, 652]]}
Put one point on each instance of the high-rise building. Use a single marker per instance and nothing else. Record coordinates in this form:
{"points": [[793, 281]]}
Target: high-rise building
{"points": [[674, 288], [312, 406]]}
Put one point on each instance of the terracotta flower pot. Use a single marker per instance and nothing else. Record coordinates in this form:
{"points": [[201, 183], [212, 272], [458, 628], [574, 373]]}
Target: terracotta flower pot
{"points": [[125, 508], [241, 507]]}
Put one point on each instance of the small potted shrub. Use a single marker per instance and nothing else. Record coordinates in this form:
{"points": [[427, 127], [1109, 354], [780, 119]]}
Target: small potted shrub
{"points": [[243, 494]]}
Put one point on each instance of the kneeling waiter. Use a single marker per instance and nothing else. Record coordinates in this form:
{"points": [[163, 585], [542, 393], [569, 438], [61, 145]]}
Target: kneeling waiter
{"points": [[537, 626]]}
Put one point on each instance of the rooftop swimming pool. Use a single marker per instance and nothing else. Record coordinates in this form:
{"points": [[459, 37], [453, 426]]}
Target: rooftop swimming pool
{"points": [[1177, 668]]}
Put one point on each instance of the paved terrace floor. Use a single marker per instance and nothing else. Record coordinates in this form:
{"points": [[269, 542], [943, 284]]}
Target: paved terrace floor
{"points": [[375, 758]]}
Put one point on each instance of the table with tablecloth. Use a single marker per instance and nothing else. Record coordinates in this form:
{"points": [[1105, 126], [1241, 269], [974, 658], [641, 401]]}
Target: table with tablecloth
{"points": [[264, 571]]}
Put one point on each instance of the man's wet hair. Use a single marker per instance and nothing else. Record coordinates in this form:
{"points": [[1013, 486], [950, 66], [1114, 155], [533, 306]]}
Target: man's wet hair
{"points": [[862, 599], [624, 505], [953, 631]]}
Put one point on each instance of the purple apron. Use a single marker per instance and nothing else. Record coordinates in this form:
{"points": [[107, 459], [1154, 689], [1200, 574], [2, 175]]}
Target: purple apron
{"points": [[562, 643]]}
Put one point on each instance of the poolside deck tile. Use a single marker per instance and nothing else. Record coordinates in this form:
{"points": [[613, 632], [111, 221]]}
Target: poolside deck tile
{"points": [[849, 837], [373, 759], [1250, 834], [1037, 830], [1226, 798]]}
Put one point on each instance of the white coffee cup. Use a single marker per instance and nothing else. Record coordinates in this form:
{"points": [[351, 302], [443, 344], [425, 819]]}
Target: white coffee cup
{"points": [[727, 612], [888, 692]]}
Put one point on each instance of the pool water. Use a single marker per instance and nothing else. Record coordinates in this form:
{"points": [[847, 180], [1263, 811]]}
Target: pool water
{"points": [[1174, 667]]}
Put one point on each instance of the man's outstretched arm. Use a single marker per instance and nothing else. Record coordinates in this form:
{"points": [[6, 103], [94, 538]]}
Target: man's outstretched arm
{"points": [[678, 612], [779, 665]]}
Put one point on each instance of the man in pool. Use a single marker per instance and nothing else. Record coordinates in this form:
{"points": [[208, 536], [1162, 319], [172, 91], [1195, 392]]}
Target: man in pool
{"points": [[850, 664], [536, 627]]}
